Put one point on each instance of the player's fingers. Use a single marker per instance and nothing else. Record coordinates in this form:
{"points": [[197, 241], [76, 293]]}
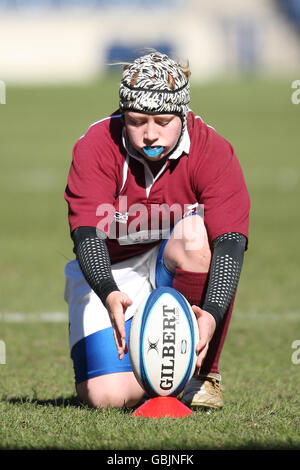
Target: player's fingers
{"points": [[204, 331], [197, 311], [126, 301], [202, 343], [117, 314], [120, 343], [118, 325], [200, 358]]}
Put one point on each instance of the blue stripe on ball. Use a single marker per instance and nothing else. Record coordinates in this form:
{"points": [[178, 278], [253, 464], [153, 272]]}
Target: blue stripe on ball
{"points": [[151, 301]]}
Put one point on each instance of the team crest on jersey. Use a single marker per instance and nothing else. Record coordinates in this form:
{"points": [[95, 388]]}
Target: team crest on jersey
{"points": [[121, 217], [194, 209]]}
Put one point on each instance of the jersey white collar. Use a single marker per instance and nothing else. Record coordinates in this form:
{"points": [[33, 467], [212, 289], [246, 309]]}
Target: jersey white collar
{"points": [[183, 146]]}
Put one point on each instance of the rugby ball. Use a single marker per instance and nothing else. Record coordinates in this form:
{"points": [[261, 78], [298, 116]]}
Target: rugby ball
{"points": [[162, 342]]}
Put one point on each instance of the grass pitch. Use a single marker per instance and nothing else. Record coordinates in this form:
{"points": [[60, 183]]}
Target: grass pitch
{"points": [[38, 405]]}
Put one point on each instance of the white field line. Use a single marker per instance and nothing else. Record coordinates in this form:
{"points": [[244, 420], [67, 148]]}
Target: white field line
{"points": [[266, 316], [45, 317], [62, 317], [285, 178]]}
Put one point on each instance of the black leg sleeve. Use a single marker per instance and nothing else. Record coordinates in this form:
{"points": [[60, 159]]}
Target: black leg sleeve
{"points": [[224, 274]]}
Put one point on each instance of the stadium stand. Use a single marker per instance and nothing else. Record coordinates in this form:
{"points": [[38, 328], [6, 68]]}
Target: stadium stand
{"points": [[75, 40]]}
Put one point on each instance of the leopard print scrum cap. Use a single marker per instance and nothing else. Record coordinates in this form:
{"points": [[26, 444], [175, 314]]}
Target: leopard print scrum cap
{"points": [[155, 84]]}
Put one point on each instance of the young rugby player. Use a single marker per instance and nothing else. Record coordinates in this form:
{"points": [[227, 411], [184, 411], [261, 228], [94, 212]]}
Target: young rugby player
{"points": [[156, 198]]}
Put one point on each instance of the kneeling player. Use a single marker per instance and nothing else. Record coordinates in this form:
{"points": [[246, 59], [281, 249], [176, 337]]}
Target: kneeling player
{"points": [[152, 153]]}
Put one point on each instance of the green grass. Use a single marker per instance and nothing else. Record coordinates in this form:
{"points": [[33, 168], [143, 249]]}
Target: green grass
{"points": [[38, 405], [40, 410]]}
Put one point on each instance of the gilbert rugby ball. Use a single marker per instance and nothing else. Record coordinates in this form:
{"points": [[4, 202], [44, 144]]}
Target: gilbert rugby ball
{"points": [[162, 343]]}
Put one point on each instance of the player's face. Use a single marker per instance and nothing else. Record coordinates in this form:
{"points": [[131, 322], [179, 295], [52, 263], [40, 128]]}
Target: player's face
{"points": [[153, 136]]}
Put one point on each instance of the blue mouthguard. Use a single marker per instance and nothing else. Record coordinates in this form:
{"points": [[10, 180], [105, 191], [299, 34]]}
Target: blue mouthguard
{"points": [[152, 151]]}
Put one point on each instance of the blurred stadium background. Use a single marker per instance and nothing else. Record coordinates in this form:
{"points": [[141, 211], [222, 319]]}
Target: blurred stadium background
{"points": [[46, 41], [54, 67]]}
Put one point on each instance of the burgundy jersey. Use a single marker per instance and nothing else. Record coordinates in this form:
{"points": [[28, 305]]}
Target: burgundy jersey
{"points": [[111, 187]]}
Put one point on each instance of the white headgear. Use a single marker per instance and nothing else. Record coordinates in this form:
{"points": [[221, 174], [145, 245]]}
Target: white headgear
{"points": [[155, 84]]}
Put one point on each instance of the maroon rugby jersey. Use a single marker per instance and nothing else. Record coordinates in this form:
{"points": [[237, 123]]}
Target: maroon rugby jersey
{"points": [[112, 188]]}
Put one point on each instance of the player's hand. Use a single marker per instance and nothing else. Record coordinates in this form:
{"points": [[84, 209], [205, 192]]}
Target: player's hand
{"points": [[207, 326], [116, 304]]}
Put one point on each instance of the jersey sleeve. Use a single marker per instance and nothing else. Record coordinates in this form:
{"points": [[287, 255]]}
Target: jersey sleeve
{"points": [[92, 183], [220, 186]]}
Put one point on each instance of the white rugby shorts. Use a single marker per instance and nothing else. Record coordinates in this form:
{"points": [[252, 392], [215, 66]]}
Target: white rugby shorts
{"points": [[87, 314]]}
